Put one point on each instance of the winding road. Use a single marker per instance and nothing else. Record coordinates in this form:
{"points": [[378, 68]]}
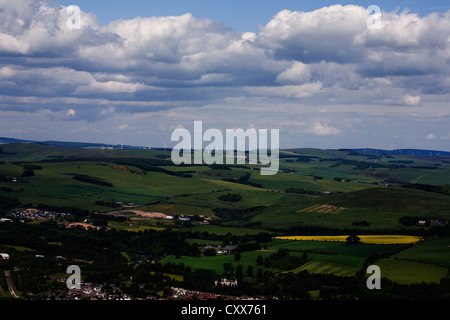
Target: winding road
{"points": [[10, 283]]}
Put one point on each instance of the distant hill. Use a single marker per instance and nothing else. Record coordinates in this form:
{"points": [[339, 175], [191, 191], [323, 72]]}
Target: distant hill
{"points": [[12, 140], [68, 144], [409, 152]]}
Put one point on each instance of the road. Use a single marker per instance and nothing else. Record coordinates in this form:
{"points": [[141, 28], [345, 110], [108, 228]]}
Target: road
{"points": [[10, 283]]}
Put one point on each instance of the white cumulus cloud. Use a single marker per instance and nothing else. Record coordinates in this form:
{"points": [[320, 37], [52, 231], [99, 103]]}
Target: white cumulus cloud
{"points": [[322, 129], [411, 100]]}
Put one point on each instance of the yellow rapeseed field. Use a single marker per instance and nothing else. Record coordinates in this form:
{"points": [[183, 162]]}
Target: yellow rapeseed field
{"points": [[372, 239]]}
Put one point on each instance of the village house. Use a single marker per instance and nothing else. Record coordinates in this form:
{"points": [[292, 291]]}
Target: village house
{"points": [[225, 282]]}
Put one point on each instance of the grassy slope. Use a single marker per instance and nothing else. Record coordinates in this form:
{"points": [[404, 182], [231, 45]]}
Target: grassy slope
{"points": [[407, 272], [381, 207], [436, 251], [216, 262]]}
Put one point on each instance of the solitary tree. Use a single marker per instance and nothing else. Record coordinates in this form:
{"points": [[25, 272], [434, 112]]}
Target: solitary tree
{"points": [[352, 239], [239, 273], [228, 270], [237, 256], [259, 260], [249, 272]]}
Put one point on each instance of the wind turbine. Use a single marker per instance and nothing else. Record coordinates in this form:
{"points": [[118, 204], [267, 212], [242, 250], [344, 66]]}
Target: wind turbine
{"points": [[121, 145], [165, 146], [102, 147], [150, 146]]}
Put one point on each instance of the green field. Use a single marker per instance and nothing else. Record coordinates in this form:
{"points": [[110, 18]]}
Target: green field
{"points": [[300, 245], [435, 251], [407, 272], [216, 262], [320, 266], [325, 257]]}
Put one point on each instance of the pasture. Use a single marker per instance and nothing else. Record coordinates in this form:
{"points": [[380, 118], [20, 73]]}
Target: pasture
{"points": [[408, 272], [216, 262], [434, 251]]}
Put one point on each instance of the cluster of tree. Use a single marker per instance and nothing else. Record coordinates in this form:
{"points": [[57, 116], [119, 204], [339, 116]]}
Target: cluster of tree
{"points": [[7, 203], [153, 165], [339, 179], [111, 204], [244, 179], [401, 161], [315, 177], [302, 191], [298, 158], [282, 260], [6, 189], [409, 221], [429, 188], [353, 239], [362, 165], [228, 238], [216, 166], [351, 152], [236, 197], [92, 180], [234, 215], [127, 169], [27, 173], [362, 223], [248, 246], [32, 167], [161, 156]]}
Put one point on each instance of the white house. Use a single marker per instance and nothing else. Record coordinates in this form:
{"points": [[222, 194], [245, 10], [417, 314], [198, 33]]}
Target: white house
{"points": [[4, 256], [226, 282]]}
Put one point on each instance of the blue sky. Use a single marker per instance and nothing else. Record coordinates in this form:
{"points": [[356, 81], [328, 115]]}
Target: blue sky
{"points": [[134, 71]]}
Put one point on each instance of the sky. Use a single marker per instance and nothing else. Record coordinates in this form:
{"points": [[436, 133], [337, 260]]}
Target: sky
{"points": [[134, 71]]}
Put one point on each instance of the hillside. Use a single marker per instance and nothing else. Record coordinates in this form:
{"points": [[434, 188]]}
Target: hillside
{"points": [[314, 188]]}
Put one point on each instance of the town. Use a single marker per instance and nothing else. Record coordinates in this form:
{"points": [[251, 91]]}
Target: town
{"points": [[32, 214]]}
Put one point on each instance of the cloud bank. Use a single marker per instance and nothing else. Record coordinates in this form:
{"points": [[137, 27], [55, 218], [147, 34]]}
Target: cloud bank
{"points": [[148, 72]]}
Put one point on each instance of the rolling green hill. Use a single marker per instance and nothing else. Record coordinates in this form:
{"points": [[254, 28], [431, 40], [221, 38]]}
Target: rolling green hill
{"points": [[331, 189]]}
